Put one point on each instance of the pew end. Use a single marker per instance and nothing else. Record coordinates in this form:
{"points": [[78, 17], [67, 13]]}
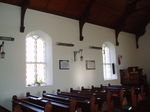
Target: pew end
{"points": [[71, 89], [28, 94], [58, 91], [48, 107], [44, 92], [17, 108], [73, 104]]}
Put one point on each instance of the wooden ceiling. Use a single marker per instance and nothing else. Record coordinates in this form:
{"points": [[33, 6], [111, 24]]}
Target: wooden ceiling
{"points": [[122, 15]]}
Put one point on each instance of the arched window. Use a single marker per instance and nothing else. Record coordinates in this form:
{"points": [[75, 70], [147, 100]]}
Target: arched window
{"points": [[109, 61], [37, 60]]}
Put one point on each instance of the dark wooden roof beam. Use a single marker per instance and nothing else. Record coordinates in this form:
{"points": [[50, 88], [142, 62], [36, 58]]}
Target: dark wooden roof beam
{"points": [[141, 30], [81, 24], [24, 4], [117, 31], [83, 18], [130, 8]]}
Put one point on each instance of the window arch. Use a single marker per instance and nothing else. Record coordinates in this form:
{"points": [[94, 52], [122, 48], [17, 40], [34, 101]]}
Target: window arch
{"points": [[109, 61], [38, 59]]}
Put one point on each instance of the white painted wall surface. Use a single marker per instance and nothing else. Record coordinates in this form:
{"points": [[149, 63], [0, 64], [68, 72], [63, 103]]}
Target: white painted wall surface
{"points": [[144, 52], [60, 29]]}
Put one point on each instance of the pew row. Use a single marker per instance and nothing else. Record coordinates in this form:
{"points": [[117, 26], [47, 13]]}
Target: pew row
{"points": [[58, 105], [83, 104], [22, 105]]}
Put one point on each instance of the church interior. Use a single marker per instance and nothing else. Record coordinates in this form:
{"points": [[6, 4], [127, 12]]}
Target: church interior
{"points": [[74, 55]]}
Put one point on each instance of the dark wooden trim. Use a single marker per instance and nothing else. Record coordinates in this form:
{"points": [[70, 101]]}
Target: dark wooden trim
{"points": [[138, 34], [84, 17], [65, 44], [137, 41], [86, 11], [141, 31], [116, 36], [95, 47], [81, 24], [130, 8], [7, 38], [24, 5]]}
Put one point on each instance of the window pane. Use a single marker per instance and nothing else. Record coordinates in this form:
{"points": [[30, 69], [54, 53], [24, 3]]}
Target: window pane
{"points": [[30, 49], [40, 50], [108, 59], [41, 72], [107, 55], [30, 74], [104, 60], [107, 71], [35, 61]]}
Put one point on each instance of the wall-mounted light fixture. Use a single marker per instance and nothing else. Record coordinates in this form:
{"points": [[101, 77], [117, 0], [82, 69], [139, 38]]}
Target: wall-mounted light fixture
{"points": [[2, 52], [75, 54]]}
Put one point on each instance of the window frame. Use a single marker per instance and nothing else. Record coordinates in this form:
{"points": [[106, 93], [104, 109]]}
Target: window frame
{"points": [[112, 75], [47, 62]]}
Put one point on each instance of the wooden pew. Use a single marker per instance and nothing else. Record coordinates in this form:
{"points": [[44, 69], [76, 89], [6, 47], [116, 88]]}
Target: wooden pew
{"points": [[73, 90], [62, 106], [93, 106], [85, 89], [131, 98], [56, 97], [100, 97], [141, 94], [97, 88], [82, 103], [122, 96], [22, 105], [108, 105], [128, 100], [17, 108]]}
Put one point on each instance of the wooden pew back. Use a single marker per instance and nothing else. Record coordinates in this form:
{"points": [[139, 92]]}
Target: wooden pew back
{"points": [[65, 105], [22, 105]]}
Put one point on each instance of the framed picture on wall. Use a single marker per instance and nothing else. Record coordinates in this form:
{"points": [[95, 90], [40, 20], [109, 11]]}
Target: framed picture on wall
{"points": [[90, 64], [64, 64]]}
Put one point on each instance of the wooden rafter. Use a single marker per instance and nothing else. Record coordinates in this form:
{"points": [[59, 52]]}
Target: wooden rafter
{"points": [[81, 24], [24, 5], [137, 41], [137, 10], [121, 22], [116, 36], [83, 18], [141, 30]]}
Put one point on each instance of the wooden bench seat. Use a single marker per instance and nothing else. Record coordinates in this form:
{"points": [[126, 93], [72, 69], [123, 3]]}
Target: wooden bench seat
{"points": [[82, 103], [21, 105], [62, 106]]}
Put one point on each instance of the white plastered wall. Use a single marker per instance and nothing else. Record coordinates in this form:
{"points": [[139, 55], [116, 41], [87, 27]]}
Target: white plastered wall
{"points": [[144, 52], [60, 29]]}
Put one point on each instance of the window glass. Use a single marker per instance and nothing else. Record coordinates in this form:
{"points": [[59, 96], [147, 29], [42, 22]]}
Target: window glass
{"points": [[38, 64], [109, 61]]}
